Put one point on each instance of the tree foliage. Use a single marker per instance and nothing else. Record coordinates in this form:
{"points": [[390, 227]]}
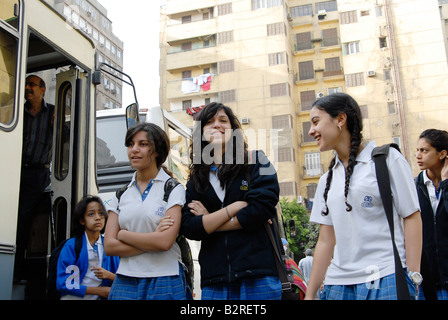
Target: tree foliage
{"points": [[306, 233]]}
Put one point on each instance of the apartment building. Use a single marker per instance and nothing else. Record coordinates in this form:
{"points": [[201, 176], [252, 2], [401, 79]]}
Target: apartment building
{"points": [[396, 67], [270, 59], [91, 18]]}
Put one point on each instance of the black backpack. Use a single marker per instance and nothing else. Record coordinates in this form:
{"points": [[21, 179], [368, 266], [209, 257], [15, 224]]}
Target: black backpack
{"points": [[185, 250], [379, 155], [51, 292]]}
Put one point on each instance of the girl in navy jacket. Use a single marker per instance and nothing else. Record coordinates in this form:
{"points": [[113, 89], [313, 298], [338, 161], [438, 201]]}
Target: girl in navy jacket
{"points": [[432, 190], [91, 276], [228, 202]]}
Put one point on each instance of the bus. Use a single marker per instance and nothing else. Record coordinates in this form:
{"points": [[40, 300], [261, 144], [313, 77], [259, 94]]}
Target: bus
{"points": [[114, 170], [36, 39]]}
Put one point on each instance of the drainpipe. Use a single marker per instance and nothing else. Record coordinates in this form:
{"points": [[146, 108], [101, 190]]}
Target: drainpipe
{"points": [[397, 79]]}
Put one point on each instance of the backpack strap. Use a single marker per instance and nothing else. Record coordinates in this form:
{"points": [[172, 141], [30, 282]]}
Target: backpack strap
{"points": [[119, 193], [379, 155], [170, 184], [78, 245]]}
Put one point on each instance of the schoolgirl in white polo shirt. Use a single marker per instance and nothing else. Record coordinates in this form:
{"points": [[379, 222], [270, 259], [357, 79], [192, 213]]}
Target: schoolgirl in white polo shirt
{"points": [[142, 230], [354, 250]]}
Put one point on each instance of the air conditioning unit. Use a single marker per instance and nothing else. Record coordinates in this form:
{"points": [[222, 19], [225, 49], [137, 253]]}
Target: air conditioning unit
{"points": [[371, 73], [245, 121], [320, 95], [321, 14]]}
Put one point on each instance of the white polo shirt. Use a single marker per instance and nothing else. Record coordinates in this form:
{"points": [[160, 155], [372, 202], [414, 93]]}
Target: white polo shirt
{"points": [[363, 250], [143, 216]]}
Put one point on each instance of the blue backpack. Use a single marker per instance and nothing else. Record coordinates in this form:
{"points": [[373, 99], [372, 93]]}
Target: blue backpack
{"points": [[51, 292]]}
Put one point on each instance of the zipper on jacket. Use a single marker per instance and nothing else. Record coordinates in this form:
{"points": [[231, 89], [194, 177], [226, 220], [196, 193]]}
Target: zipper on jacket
{"points": [[227, 251], [424, 190]]}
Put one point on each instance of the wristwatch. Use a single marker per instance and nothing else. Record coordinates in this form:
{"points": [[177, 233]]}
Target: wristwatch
{"points": [[416, 277]]}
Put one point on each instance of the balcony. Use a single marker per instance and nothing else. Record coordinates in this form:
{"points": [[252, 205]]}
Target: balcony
{"points": [[197, 56], [175, 7], [192, 30]]}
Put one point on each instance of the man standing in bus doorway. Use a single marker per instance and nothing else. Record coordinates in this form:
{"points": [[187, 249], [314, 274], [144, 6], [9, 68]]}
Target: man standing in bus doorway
{"points": [[38, 120]]}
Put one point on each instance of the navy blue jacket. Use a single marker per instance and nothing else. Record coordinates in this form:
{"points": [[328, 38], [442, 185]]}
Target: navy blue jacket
{"points": [[435, 231], [229, 256]]}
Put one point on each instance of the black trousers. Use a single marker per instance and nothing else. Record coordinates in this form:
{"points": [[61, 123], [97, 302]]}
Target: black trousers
{"points": [[33, 183]]}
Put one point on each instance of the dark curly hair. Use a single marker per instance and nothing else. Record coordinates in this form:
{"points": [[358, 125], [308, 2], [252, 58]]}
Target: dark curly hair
{"points": [[234, 160], [335, 104]]}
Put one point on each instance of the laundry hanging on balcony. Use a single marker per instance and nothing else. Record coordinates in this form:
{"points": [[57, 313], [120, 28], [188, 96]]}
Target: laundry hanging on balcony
{"points": [[195, 84], [192, 111]]}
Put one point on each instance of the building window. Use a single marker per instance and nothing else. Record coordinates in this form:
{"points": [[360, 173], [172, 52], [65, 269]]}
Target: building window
{"points": [[312, 164], [327, 6], [330, 37], [287, 189], [259, 4], [300, 11], [306, 99], [364, 13], [379, 11], [332, 67], [383, 42], [279, 89], [354, 79], [397, 140], [387, 75], [285, 154], [186, 104], [224, 9], [348, 17], [334, 90], [306, 126], [351, 48], [227, 96], [226, 66], [364, 111], [186, 74], [186, 46], [391, 107], [277, 58], [282, 122], [276, 29], [303, 41], [186, 19], [225, 37], [306, 70]]}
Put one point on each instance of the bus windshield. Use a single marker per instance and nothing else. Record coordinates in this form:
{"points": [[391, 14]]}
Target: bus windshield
{"points": [[110, 148]]}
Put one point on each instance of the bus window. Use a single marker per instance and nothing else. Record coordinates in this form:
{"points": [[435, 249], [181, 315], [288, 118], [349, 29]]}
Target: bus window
{"points": [[110, 148], [8, 12], [8, 63], [63, 131]]}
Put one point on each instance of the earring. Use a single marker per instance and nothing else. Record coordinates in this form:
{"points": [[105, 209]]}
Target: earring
{"points": [[340, 129]]}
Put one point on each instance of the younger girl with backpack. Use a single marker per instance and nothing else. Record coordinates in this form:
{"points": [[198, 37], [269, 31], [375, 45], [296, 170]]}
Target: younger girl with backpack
{"points": [[90, 276]]}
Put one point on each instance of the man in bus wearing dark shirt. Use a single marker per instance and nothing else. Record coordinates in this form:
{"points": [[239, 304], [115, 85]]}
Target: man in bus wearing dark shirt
{"points": [[36, 158]]}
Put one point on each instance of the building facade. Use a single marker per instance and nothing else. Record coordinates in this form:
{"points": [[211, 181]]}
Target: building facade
{"points": [[90, 17], [270, 59]]}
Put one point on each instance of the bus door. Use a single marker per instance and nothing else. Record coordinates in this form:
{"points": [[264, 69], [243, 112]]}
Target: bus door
{"points": [[66, 177]]}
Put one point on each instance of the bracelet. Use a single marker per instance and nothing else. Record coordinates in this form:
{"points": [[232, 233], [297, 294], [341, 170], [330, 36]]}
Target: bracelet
{"points": [[228, 213]]}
